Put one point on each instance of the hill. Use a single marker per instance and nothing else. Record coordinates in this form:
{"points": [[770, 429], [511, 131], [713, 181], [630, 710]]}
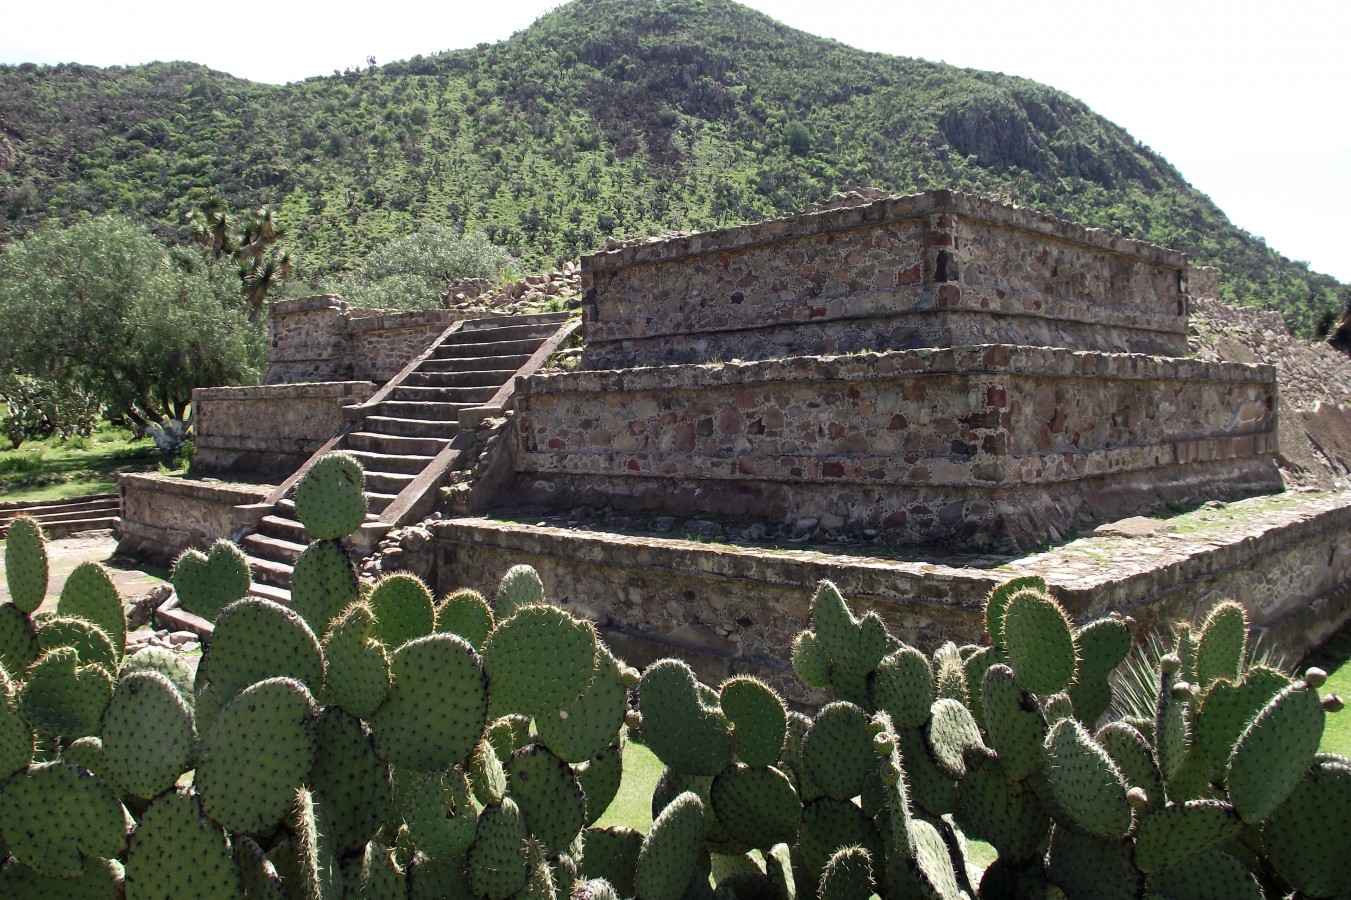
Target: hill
{"points": [[605, 117]]}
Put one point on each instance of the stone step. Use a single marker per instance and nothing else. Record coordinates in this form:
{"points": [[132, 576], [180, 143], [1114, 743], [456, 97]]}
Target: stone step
{"points": [[261, 546], [287, 529], [420, 409], [390, 462], [472, 349], [538, 331], [387, 482], [418, 428], [271, 592], [395, 445], [268, 571], [472, 363], [475, 395], [487, 322], [37, 510], [493, 378], [376, 501]]}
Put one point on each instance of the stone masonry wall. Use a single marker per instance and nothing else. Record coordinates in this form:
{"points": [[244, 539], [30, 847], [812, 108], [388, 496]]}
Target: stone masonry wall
{"points": [[309, 340], [383, 342], [935, 269], [976, 446], [162, 516], [268, 430]]}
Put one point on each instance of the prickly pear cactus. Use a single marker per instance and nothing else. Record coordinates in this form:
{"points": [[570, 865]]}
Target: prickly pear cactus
{"points": [[206, 583], [25, 564], [331, 497]]}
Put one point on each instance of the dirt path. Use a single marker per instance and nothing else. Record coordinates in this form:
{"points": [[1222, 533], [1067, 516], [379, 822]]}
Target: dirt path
{"points": [[65, 554]]}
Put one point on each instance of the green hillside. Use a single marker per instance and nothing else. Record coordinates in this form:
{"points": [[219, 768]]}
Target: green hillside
{"points": [[606, 117]]}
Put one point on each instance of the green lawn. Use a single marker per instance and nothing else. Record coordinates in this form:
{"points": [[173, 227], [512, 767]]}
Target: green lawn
{"points": [[1335, 658], [58, 470]]}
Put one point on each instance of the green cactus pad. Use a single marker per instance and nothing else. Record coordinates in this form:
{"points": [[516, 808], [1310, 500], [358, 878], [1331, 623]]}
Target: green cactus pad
{"points": [[1172, 727], [465, 612], [667, 861], [350, 780], [1103, 645], [1057, 707], [950, 673], [102, 880], [549, 797], [255, 639], [256, 872], [1305, 838], [16, 738], [848, 875], [1003, 813], [600, 777], [974, 667], [998, 600], [1182, 831], [933, 862], [257, 752], [381, 877], [441, 815], [903, 685], [612, 854], [88, 640], [87, 752], [952, 735], [758, 717], [323, 584], [25, 564], [177, 852], [521, 586], [1014, 723], [149, 734], [62, 697], [591, 722], [1222, 645], [1274, 751], [403, 609], [330, 497], [1212, 876], [1092, 868], [757, 806], [1228, 708], [166, 662], [790, 760], [486, 775], [811, 662], [838, 750], [503, 737], [1085, 785], [18, 638], [56, 815], [684, 733], [930, 789], [828, 826], [1132, 754], [436, 879], [437, 706], [1039, 643], [206, 583], [496, 864], [319, 875], [836, 629], [356, 667], [89, 593], [539, 659]]}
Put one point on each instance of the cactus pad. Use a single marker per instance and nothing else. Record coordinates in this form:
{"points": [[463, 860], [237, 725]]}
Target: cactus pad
{"points": [[356, 667], [758, 717], [330, 497], [61, 697], [1015, 725], [670, 852], [1305, 838], [1135, 758], [848, 875], [496, 864], [950, 673], [206, 583], [149, 735], [1274, 751], [89, 593], [681, 730], [756, 806], [591, 722], [838, 750], [521, 586], [465, 612], [1103, 645], [1039, 643], [256, 639], [600, 778], [998, 601], [351, 783], [403, 609], [539, 659], [1086, 786], [1003, 813], [1091, 868], [1228, 708], [952, 735], [55, 815], [1223, 642], [87, 639], [612, 854], [25, 563], [437, 706], [1212, 876], [166, 662], [323, 584], [811, 662], [441, 815], [16, 738], [930, 789], [18, 638], [486, 775], [255, 755], [903, 685], [829, 825], [176, 852], [1182, 831], [549, 797]]}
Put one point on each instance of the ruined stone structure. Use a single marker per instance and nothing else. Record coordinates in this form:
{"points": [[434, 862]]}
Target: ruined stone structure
{"points": [[934, 368]]}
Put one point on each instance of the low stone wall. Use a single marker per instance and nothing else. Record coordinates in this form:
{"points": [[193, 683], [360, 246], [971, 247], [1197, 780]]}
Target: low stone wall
{"points": [[268, 430], [383, 342], [932, 270], [163, 516], [735, 609], [308, 340], [990, 446]]}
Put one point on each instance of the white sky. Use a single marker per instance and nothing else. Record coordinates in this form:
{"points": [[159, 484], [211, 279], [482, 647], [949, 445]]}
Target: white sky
{"points": [[1248, 100]]}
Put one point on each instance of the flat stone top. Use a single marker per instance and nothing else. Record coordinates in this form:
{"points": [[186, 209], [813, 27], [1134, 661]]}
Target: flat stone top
{"points": [[878, 212]]}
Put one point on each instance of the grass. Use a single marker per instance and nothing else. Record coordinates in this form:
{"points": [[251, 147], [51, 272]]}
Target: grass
{"points": [[632, 806], [60, 470], [1335, 658]]}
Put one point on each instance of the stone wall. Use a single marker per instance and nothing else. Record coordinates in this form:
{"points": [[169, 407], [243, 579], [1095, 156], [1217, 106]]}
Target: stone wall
{"points": [[162, 516], [989, 446], [383, 342], [734, 609], [932, 270], [268, 430]]}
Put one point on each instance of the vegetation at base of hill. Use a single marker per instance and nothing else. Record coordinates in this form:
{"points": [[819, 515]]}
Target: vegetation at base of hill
{"points": [[605, 117], [60, 469], [412, 272]]}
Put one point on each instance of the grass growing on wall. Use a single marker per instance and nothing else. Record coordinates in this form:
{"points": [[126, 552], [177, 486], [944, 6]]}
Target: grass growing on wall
{"points": [[54, 469]]}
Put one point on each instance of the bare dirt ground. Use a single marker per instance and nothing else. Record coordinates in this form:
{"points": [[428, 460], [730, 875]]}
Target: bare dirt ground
{"points": [[65, 554]]}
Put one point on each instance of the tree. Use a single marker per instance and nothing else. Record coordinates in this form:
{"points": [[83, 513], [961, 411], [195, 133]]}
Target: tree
{"points": [[103, 307], [414, 272]]}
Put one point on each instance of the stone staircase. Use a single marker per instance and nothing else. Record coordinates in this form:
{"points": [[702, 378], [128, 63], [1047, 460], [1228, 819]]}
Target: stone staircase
{"points": [[60, 518], [407, 436]]}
